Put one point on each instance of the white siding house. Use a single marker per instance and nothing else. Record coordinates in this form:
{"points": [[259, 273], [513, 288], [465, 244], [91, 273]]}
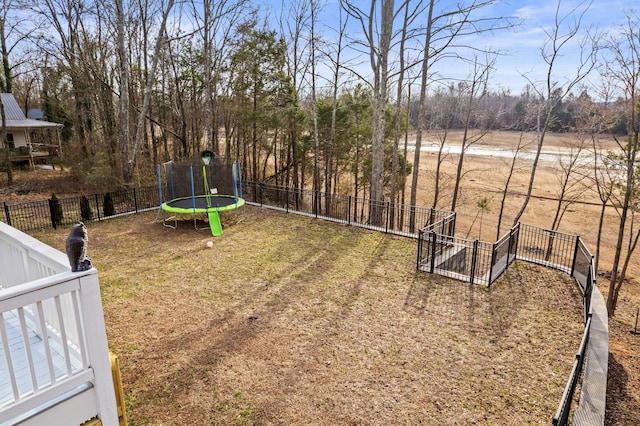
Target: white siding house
{"points": [[18, 137]]}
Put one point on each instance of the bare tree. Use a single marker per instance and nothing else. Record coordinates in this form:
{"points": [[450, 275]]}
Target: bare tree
{"points": [[14, 32], [210, 128], [66, 18], [602, 178], [571, 175], [334, 58], [422, 111], [378, 36], [123, 62], [129, 161], [566, 28], [441, 31], [5, 86], [314, 97], [622, 69], [5, 145], [216, 21], [604, 182], [475, 91], [5, 49], [405, 151], [397, 172], [505, 189], [294, 25], [442, 155], [483, 207], [335, 85]]}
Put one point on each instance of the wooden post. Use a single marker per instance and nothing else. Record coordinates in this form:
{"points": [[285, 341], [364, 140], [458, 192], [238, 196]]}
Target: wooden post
{"points": [[97, 346]]}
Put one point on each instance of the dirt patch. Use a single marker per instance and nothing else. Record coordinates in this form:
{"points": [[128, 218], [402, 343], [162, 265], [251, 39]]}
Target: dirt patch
{"points": [[38, 185]]}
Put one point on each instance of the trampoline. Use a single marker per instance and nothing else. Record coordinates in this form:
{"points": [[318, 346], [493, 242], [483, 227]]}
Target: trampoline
{"points": [[197, 190], [202, 203]]}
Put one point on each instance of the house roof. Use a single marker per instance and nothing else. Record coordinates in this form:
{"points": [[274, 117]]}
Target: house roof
{"points": [[35, 113], [16, 118]]}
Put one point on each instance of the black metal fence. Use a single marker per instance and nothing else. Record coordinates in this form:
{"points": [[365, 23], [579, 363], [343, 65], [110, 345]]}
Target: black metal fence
{"points": [[482, 263], [439, 251], [474, 261], [548, 248], [399, 219], [42, 214], [459, 258]]}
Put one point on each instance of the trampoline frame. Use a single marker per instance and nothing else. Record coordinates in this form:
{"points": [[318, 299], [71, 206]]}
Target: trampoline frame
{"points": [[211, 209]]}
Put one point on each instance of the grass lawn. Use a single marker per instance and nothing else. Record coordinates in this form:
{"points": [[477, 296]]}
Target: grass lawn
{"points": [[291, 320]]}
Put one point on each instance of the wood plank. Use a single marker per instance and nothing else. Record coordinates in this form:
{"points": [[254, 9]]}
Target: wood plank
{"points": [[21, 362]]}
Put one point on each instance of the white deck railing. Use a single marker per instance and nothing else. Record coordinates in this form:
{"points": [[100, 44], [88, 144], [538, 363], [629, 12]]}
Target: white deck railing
{"points": [[54, 358]]}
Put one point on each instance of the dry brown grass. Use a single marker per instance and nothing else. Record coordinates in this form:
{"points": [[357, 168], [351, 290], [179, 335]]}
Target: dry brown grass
{"points": [[486, 177], [289, 320], [163, 379]]}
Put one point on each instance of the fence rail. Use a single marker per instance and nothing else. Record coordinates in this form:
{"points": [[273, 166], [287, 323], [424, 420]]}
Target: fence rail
{"points": [[41, 214], [467, 260], [399, 219], [459, 258], [547, 247]]}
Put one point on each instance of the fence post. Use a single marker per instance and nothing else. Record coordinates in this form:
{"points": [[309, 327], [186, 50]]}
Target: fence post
{"points": [[509, 248], [386, 225], [135, 200], [575, 255], [453, 225], [493, 259], [419, 259], [6, 213], [260, 185], [516, 242], [588, 289], [473, 260], [286, 198], [97, 206], [349, 210], [433, 252]]}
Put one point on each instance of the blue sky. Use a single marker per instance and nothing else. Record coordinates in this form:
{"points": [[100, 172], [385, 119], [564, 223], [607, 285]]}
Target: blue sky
{"points": [[520, 62], [523, 43]]}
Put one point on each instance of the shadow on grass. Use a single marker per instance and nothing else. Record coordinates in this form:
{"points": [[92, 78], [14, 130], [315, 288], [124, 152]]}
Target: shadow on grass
{"points": [[621, 408], [472, 307], [261, 306]]}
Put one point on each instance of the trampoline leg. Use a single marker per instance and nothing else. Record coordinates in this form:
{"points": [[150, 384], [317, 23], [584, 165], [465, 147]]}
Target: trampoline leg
{"points": [[214, 223], [165, 220]]}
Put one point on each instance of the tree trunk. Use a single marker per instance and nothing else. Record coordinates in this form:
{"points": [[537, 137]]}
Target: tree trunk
{"points": [[130, 165], [505, 191], [395, 172], [5, 144], [422, 114], [616, 282], [379, 63], [124, 84]]}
